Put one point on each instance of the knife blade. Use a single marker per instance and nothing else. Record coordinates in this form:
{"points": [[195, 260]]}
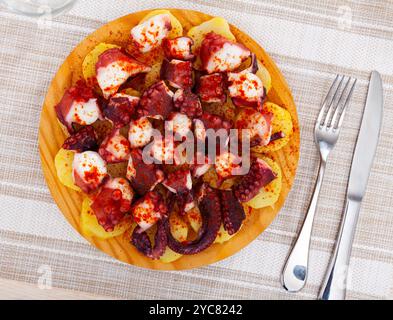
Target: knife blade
{"points": [[367, 141], [335, 281]]}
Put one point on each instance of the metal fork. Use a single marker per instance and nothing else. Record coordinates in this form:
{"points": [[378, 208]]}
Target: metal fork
{"points": [[326, 132]]}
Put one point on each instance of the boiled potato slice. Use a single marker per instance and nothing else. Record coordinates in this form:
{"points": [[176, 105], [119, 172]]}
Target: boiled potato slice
{"points": [[91, 227], [131, 92], [153, 75], [194, 219], [269, 194], [89, 63], [264, 75], [63, 164], [282, 121], [217, 25], [179, 230], [170, 256], [177, 28]]}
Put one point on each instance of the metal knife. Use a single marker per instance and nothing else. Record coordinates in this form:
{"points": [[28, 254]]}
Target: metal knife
{"points": [[335, 282]]}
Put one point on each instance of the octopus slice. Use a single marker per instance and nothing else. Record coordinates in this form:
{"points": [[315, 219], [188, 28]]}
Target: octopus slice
{"points": [[180, 124], [148, 210], [178, 73], [246, 90], [179, 181], [89, 171], [211, 88], [149, 34], [112, 203], [120, 109], [140, 132], [78, 105], [260, 175], [115, 148], [141, 240], [218, 54], [162, 149], [227, 165], [83, 140], [212, 121], [188, 103], [156, 102], [143, 176], [114, 68], [210, 208], [233, 213], [258, 125], [178, 48]]}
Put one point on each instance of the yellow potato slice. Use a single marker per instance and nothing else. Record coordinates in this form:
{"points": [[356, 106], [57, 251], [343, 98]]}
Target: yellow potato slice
{"points": [[177, 28], [282, 121], [264, 75], [153, 75], [131, 92], [90, 226], [63, 164], [179, 230], [89, 63], [194, 219], [269, 194], [217, 25]]}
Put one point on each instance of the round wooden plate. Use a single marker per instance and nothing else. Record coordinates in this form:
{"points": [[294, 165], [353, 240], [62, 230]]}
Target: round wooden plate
{"points": [[51, 138]]}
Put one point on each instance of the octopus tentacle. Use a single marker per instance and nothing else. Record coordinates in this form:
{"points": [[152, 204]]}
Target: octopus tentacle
{"points": [[85, 139], [141, 240], [232, 211], [209, 205], [260, 175]]}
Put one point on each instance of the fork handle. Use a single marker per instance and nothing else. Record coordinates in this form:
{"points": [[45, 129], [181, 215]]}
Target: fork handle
{"points": [[335, 281], [294, 274]]}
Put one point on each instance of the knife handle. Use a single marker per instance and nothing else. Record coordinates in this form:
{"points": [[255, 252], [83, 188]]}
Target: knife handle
{"points": [[335, 281]]}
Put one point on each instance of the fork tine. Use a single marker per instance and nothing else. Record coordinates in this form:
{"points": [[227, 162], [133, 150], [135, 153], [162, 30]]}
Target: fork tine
{"points": [[324, 104], [340, 121], [339, 103], [334, 103]]}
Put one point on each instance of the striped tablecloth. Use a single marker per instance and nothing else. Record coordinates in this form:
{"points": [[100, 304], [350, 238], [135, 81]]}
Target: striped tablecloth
{"points": [[41, 256]]}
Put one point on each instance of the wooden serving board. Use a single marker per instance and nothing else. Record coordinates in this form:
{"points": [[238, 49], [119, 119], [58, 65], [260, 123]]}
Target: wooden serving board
{"points": [[51, 138]]}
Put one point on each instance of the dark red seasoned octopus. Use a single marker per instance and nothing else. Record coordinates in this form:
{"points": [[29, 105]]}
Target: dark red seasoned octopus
{"points": [[188, 103], [232, 211], [141, 240], [178, 48], [212, 121], [83, 140], [115, 148], [210, 208], [149, 209], [211, 88], [78, 105], [156, 102], [260, 175], [114, 67], [112, 203], [143, 177], [180, 183], [120, 109], [246, 90], [177, 72], [218, 54]]}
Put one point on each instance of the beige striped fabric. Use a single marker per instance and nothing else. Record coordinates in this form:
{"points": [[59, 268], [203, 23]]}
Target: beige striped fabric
{"points": [[310, 41]]}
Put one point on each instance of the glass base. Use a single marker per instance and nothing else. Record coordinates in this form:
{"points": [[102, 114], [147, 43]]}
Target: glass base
{"points": [[39, 8]]}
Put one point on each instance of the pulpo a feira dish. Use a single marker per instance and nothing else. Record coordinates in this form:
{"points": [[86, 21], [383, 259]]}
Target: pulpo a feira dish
{"points": [[139, 128]]}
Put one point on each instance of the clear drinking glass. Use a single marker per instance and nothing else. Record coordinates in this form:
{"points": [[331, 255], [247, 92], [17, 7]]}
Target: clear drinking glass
{"points": [[39, 8]]}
